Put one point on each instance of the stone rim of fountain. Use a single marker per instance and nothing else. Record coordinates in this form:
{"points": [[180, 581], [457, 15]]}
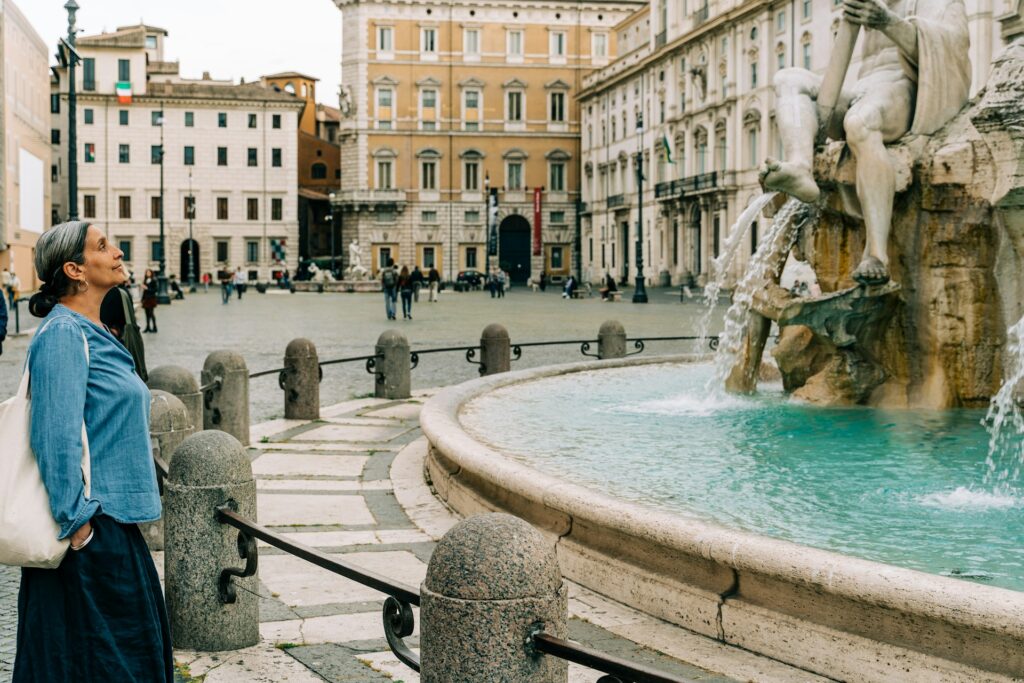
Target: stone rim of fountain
{"points": [[927, 622]]}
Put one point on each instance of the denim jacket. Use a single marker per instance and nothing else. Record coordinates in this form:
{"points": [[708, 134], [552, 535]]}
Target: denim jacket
{"points": [[114, 402]]}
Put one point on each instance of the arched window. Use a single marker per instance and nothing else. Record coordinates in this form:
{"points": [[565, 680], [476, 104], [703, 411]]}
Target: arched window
{"points": [[289, 88], [319, 171]]}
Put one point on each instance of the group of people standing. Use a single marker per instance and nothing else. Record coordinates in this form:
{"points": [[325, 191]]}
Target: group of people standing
{"points": [[497, 282], [408, 284]]}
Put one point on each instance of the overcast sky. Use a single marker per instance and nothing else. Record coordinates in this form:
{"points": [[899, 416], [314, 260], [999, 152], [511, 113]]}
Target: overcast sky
{"points": [[228, 38]]}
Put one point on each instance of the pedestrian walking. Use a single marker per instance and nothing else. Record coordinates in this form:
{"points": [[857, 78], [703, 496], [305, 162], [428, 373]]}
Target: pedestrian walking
{"points": [[206, 282], [5, 283], [99, 615], [3, 323], [240, 282], [13, 288], [226, 285], [149, 290], [501, 283], [389, 283], [417, 283], [434, 280], [405, 287], [492, 282], [543, 280]]}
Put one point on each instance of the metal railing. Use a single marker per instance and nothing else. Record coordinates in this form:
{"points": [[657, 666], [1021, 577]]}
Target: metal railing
{"points": [[617, 200], [660, 39]]}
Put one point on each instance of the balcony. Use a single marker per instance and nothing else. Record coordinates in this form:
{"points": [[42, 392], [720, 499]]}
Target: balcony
{"points": [[699, 183], [660, 39], [701, 15], [670, 189], [618, 201]]}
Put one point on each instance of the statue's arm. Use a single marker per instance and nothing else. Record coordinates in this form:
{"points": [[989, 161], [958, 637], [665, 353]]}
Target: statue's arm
{"points": [[874, 14]]}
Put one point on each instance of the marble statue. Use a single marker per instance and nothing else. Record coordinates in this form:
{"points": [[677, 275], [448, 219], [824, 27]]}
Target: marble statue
{"points": [[914, 77], [355, 270]]}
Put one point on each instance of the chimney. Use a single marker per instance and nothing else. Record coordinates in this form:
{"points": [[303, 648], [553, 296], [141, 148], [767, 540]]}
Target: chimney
{"points": [[206, 75]]}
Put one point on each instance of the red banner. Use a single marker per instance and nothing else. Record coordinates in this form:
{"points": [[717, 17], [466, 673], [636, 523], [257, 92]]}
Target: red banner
{"points": [[536, 222]]}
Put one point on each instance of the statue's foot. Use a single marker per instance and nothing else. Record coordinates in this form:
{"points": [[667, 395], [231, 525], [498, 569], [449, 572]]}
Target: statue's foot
{"points": [[793, 179], [871, 271]]}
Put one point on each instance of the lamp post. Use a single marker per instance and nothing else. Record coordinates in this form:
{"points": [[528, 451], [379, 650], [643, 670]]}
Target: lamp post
{"points": [[72, 58], [162, 295], [191, 243], [640, 291], [330, 219], [487, 217]]}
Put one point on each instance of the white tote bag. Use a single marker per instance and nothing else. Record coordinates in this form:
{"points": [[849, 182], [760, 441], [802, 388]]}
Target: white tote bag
{"points": [[28, 532]]}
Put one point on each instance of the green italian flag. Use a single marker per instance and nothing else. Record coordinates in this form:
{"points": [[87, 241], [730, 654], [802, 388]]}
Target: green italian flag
{"points": [[124, 92], [667, 148]]}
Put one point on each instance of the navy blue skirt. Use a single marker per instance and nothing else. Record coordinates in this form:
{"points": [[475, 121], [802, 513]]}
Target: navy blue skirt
{"points": [[99, 616]]}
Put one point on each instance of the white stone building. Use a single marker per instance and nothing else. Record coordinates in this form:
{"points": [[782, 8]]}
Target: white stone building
{"points": [[231, 147], [701, 74]]}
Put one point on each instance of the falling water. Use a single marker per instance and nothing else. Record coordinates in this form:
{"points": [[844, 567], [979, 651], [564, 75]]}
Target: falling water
{"points": [[1005, 418]]}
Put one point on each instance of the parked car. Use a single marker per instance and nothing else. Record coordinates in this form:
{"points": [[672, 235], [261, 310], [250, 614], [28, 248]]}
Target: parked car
{"points": [[468, 279]]}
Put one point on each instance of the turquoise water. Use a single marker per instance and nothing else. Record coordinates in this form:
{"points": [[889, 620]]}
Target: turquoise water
{"points": [[902, 487]]}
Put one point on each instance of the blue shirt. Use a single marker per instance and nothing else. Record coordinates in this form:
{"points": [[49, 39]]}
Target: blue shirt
{"points": [[65, 387]]}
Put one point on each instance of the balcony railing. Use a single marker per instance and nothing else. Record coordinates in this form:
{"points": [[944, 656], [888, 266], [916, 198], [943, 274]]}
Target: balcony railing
{"points": [[660, 39], [669, 189], [617, 200], [701, 15], [696, 183]]}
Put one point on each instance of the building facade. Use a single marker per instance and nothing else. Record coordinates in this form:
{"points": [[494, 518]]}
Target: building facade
{"points": [[229, 164], [24, 143], [699, 77], [446, 104]]}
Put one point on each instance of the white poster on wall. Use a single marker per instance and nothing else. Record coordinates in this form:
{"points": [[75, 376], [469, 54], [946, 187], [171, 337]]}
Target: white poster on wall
{"points": [[30, 195]]}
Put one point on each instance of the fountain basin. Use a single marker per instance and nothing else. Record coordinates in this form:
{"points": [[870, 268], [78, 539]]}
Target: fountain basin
{"points": [[830, 613]]}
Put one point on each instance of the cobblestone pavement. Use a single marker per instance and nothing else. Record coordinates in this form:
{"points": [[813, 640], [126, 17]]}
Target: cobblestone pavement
{"points": [[260, 326], [10, 577]]}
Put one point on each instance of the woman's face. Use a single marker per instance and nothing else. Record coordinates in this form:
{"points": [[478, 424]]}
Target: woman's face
{"points": [[149, 273], [103, 267]]}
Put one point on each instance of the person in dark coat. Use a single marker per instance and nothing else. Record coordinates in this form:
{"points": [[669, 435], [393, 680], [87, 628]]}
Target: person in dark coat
{"points": [[405, 287], [3, 323], [149, 290]]}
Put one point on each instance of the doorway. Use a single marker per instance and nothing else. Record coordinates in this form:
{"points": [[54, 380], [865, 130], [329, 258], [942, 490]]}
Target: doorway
{"points": [[514, 248]]}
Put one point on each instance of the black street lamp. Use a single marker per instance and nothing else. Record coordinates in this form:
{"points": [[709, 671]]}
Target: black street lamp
{"points": [[330, 218], [640, 291], [162, 295], [68, 55], [487, 217], [191, 243]]}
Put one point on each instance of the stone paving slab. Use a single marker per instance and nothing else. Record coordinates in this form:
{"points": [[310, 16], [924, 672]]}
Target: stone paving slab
{"points": [[303, 508], [352, 433], [297, 465]]}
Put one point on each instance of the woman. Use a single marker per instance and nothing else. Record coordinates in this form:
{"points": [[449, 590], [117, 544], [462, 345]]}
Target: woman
{"points": [[434, 279], [149, 290], [100, 615], [405, 286]]}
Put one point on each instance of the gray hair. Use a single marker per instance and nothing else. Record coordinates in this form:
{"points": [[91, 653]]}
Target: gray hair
{"points": [[59, 245]]}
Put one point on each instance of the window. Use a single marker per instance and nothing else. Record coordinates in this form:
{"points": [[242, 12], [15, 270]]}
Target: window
{"points": [[222, 120], [54, 175], [780, 57], [429, 216], [125, 245], [222, 156], [150, 42], [557, 44], [753, 75], [123, 154], [807, 9], [807, 55], [385, 36], [222, 210], [515, 43], [429, 98], [558, 107], [124, 206], [429, 260], [154, 154], [89, 206], [471, 41], [124, 70], [55, 103], [275, 121], [385, 99], [154, 207], [557, 177], [252, 120], [222, 251], [90, 153], [472, 216], [471, 175], [88, 73], [514, 179], [428, 40], [384, 175], [275, 157], [600, 45], [472, 114], [252, 209], [190, 155], [156, 252], [122, 117], [190, 119], [319, 171], [556, 258], [189, 208], [780, 21], [252, 251], [558, 217], [253, 158], [276, 208], [752, 146], [471, 257], [156, 118], [55, 136], [515, 106], [88, 117], [428, 175]]}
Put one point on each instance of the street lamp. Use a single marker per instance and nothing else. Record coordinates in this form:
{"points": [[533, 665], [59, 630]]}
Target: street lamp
{"points": [[640, 291], [191, 216], [330, 219], [487, 217], [71, 58], [162, 295]]}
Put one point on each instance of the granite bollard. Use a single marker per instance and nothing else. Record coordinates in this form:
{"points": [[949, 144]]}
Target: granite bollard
{"points": [[169, 425], [392, 377], [301, 381], [492, 582], [209, 469], [611, 340], [226, 403], [176, 380], [495, 350]]}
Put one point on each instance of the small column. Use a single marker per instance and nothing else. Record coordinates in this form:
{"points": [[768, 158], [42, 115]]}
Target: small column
{"points": [[492, 582], [394, 367], [301, 381], [611, 340], [495, 350], [169, 425], [208, 470], [226, 406], [176, 380]]}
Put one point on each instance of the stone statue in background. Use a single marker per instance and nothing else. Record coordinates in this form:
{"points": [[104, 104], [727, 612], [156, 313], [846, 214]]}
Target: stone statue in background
{"points": [[356, 270], [915, 76]]}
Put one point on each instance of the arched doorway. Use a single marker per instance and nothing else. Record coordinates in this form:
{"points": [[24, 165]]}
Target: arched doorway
{"points": [[514, 248], [183, 270], [695, 240]]}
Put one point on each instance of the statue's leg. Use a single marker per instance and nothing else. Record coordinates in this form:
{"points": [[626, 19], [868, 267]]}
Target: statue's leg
{"points": [[881, 115]]}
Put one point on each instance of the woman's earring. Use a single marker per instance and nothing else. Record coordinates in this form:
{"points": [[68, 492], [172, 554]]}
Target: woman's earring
{"points": [[83, 286]]}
